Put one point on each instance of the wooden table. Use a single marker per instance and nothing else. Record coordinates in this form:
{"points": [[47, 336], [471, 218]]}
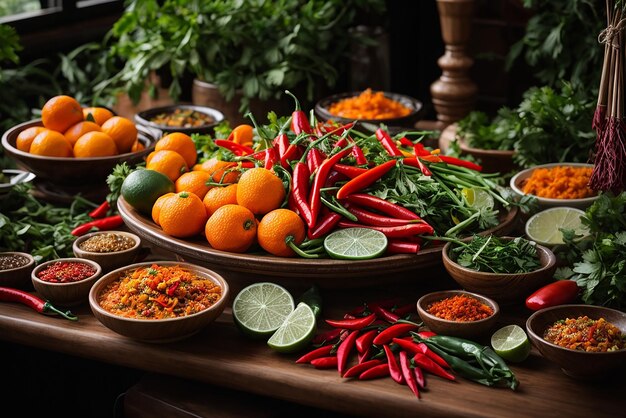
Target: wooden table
{"points": [[220, 355]]}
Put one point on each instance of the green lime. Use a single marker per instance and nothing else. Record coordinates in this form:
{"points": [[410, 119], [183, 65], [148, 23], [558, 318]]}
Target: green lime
{"points": [[511, 343], [544, 227], [296, 332], [259, 309], [478, 198], [142, 188], [355, 243]]}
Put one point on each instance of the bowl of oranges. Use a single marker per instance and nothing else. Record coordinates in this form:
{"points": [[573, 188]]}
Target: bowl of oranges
{"points": [[74, 145]]}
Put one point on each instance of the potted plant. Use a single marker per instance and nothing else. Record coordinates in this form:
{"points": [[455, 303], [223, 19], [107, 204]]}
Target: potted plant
{"points": [[251, 50]]}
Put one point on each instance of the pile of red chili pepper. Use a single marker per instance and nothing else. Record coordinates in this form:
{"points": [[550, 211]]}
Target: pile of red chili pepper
{"points": [[339, 177], [387, 343]]}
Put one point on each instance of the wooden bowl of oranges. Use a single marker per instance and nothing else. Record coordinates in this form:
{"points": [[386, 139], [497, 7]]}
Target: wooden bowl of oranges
{"points": [[76, 145]]}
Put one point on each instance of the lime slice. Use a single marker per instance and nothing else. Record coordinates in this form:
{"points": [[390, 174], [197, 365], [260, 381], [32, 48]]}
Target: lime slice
{"points": [[511, 343], [259, 309], [478, 198], [544, 227], [355, 243], [296, 332]]}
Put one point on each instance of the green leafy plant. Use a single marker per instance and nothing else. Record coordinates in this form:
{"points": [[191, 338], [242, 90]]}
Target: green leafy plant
{"points": [[257, 47]]}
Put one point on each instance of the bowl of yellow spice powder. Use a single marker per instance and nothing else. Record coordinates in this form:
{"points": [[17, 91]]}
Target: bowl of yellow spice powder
{"points": [[110, 249]]}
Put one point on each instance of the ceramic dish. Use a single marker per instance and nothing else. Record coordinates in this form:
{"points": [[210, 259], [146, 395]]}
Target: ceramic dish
{"points": [[65, 294], [518, 180], [575, 363], [145, 118], [466, 329], [159, 330], [18, 277], [13, 178], [108, 260]]}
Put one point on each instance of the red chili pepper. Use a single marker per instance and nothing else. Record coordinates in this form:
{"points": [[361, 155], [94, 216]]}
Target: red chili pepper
{"points": [[8, 294], [375, 372], [358, 155], [103, 224], [395, 330], [415, 348], [314, 158], [100, 211], [364, 342], [394, 368], [300, 190], [315, 201], [299, 121], [170, 290], [428, 364], [552, 294], [326, 336], [344, 349], [366, 179], [333, 178], [387, 143], [393, 231], [407, 373], [270, 158], [322, 351], [405, 309], [396, 246], [426, 334], [236, 148], [349, 171], [327, 223], [406, 142], [416, 162], [381, 205], [461, 163], [291, 153], [357, 369], [385, 314], [420, 150], [371, 218], [419, 377], [352, 324], [329, 362]]}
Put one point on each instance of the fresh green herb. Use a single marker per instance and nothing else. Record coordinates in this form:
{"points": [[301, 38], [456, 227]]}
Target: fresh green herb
{"points": [[115, 180], [496, 255], [597, 263]]}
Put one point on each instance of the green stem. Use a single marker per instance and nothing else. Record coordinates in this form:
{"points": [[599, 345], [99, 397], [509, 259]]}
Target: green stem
{"points": [[47, 307], [289, 241], [337, 207]]}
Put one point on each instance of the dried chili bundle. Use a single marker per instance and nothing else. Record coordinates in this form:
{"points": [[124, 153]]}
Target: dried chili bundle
{"points": [[609, 173]]}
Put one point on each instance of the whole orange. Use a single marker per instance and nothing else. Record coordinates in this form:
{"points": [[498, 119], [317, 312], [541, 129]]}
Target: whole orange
{"points": [[61, 112], [156, 208], [260, 190], [242, 134], [137, 146], [94, 144], [26, 137], [52, 144], [182, 215], [76, 131], [231, 228], [278, 226], [122, 130], [98, 114], [194, 182], [224, 172], [182, 144], [218, 197], [170, 163]]}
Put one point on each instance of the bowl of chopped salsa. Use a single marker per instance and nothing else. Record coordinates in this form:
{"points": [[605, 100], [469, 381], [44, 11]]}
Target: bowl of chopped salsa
{"points": [[585, 341], [159, 301], [184, 118], [458, 313]]}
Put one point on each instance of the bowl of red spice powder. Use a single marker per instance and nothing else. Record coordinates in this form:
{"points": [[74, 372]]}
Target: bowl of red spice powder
{"points": [[65, 281], [458, 313]]}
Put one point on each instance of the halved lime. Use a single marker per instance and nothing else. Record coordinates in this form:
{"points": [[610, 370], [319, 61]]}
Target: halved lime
{"points": [[478, 198], [544, 227], [511, 343], [355, 243], [261, 308], [296, 332]]}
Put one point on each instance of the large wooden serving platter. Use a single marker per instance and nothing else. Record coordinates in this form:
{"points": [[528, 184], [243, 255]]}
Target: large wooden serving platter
{"points": [[328, 273]]}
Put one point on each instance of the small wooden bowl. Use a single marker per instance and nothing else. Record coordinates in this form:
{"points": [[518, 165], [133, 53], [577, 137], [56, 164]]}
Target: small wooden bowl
{"points": [[502, 287], [466, 329], [574, 363], [108, 260], [18, 277], [144, 118], [158, 330], [65, 294]]}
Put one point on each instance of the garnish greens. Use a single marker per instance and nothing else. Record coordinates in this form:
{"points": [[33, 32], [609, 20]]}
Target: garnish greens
{"points": [[492, 254]]}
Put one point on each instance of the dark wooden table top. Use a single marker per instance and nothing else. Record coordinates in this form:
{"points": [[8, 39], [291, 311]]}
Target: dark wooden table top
{"points": [[221, 355]]}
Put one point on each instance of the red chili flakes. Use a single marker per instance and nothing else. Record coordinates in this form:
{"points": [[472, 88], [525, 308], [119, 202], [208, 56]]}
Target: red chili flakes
{"points": [[460, 308], [66, 272]]}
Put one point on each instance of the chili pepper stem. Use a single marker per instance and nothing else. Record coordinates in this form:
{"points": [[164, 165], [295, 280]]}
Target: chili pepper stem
{"points": [[289, 240], [47, 307]]}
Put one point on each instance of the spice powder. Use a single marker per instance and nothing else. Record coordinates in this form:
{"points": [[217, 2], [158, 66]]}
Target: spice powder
{"points": [[460, 308]]}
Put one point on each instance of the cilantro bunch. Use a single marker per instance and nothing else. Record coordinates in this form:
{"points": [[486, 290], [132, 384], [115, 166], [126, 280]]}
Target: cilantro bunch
{"points": [[496, 255], [597, 263]]}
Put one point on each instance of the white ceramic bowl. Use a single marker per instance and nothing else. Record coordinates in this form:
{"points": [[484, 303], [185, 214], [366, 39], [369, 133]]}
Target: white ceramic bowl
{"points": [[518, 180]]}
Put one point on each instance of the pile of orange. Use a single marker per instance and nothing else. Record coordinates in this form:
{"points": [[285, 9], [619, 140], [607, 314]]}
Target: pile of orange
{"points": [[70, 130]]}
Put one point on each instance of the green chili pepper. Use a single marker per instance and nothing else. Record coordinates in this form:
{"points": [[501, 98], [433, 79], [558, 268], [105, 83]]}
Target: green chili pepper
{"points": [[313, 298]]}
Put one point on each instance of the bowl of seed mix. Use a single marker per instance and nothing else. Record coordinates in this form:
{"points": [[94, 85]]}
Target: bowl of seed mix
{"points": [[110, 249], [15, 269]]}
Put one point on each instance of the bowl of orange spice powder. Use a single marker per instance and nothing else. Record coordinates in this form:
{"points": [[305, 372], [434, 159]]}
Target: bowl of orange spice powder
{"points": [[370, 106], [458, 313], [557, 184]]}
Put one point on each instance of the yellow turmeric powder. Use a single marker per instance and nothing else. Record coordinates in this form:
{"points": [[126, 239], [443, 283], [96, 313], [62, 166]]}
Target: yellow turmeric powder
{"points": [[560, 182], [369, 105]]}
